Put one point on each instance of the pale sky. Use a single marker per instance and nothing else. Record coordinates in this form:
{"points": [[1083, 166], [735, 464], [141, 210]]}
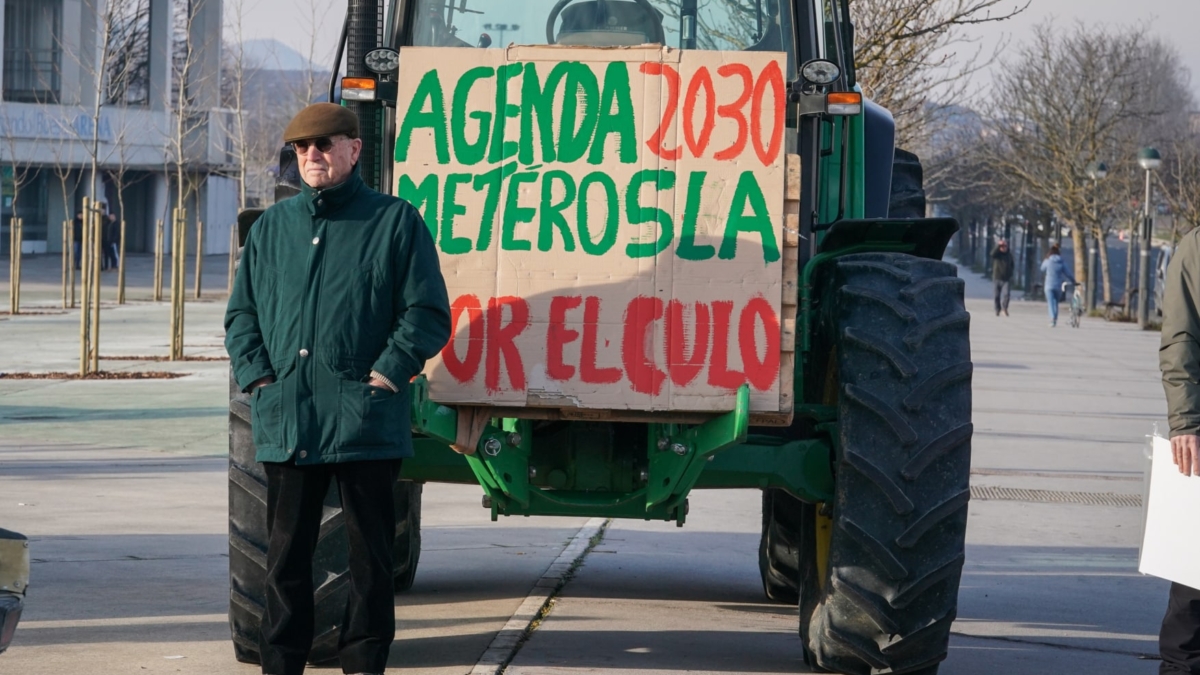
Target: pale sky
{"points": [[292, 22]]}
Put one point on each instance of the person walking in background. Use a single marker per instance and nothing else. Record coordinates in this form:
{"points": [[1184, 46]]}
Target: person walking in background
{"points": [[1056, 273], [77, 238], [1002, 271], [109, 241], [1179, 361]]}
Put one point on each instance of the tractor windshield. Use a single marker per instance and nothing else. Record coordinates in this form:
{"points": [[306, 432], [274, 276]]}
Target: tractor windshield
{"points": [[727, 25]]}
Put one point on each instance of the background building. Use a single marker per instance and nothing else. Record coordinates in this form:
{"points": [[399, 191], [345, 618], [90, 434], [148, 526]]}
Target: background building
{"points": [[130, 87]]}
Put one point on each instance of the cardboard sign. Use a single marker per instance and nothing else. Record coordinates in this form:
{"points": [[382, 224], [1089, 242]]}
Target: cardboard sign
{"points": [[609, 220]]}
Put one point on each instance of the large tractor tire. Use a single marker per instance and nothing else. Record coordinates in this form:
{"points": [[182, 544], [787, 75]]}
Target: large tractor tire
{"points": [[248, 551], [248, 548], [779, 545], [779, 558], [893, 333], [406, 550]]}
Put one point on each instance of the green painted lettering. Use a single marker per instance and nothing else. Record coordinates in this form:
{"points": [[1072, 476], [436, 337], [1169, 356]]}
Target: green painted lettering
{"points": [[662, 179], [620, 121], [539, 102], [551, 212], [688, 249], [578, 116], [467, 153], [423, 197], [515, 214], [758, 220], [449, 243], [502, 149], [490, 181], [416, 117], [613, 206]]}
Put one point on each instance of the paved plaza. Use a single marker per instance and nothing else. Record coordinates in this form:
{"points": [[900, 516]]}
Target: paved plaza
{"points": [[120, 486]]}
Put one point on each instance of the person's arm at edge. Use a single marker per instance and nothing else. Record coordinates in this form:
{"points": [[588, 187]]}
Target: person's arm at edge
{"points": [[422, 306], [243, 335], [1179, 353]]}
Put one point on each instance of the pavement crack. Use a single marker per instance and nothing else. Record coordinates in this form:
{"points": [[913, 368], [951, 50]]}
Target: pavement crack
{"points": [[1058, 645]]}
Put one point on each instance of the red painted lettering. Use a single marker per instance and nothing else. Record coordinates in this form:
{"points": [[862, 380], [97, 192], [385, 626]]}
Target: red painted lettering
{"points": [[698, 143], [719, 374], [558, 335], [769, 80], [464, 370], [636, 351], [736, 111], [672, 77], [500, 342], [588, 371], [684, 369], [760, 372]]}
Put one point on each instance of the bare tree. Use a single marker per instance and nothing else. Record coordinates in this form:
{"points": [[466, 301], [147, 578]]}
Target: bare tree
{"points": [[116, 68], [19, 170], [1070, 98], [315, 18], [188, 141], [907, 53], [1181, 181], [68, 182]]}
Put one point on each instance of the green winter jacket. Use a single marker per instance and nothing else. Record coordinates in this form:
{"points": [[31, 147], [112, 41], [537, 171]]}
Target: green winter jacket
{"points": [[333, 284], [1179, 352]]}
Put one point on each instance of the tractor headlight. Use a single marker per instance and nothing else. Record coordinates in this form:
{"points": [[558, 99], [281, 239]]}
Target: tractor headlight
{"points": [[820, 72], [382, 61]]}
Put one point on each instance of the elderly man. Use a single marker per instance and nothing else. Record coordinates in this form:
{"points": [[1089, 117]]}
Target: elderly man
{"points": [[337, 304]]}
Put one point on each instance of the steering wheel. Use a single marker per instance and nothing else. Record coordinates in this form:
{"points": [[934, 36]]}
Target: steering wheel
{"points": [[562, 4]]}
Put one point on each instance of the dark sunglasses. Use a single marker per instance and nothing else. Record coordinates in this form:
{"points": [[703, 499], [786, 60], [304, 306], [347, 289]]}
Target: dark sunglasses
{"points": [[324, 144]]}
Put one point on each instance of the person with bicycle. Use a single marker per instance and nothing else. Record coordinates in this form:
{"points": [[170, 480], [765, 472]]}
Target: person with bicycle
{"points": [[1056, 273]]}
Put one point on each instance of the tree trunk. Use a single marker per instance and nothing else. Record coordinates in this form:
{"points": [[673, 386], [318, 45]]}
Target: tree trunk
{"points": [[1129, 262], [1105, 272], [987, 248], [1080, 255]]}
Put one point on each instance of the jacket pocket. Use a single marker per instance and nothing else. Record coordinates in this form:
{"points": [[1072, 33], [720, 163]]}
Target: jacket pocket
{"points": [[370, 416], [266, 415]]}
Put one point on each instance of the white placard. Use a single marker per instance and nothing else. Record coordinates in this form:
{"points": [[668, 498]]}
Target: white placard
{"points": [[1169, 546]]}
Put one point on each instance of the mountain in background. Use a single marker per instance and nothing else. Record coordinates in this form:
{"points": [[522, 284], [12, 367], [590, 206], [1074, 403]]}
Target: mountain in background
{"points": [[271, 54]]}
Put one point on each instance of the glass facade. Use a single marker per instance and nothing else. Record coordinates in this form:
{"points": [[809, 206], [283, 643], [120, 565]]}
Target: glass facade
{"points": [[32, 51]]}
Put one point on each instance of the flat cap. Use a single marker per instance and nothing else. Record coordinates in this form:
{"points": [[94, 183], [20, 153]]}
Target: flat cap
{"points": [[321, 119]]}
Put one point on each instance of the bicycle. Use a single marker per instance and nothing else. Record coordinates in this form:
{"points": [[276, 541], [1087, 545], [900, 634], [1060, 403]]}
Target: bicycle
{"points": [[1077, 304]]}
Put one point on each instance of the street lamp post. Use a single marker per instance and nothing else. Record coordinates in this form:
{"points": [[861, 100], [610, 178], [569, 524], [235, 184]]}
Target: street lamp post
{"points": [[501, 27], [1150, 160], [1097, 171]]}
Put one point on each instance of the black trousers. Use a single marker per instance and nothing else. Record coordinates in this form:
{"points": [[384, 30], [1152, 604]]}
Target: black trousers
{"points": [[1179, 639], [1001, 289], [295, 497]]}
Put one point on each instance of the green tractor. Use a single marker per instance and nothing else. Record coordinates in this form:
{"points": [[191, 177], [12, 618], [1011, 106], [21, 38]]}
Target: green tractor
{"points": [[856, 421]]}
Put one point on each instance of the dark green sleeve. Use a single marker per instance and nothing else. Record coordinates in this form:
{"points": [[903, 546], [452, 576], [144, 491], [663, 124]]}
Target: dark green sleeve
{"points": [[243, 334], [1179, 353], [422, 325]]}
